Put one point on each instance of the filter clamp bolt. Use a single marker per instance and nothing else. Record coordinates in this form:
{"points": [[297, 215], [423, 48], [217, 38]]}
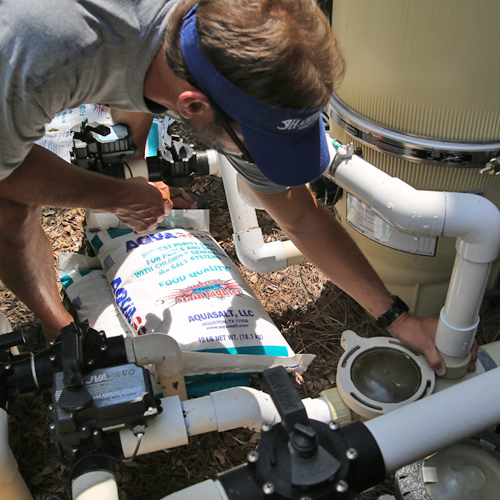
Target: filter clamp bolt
{"points": [[342, 486], [266, 427], [253, 457], [268, 488], [492, 167], [333, 425]]}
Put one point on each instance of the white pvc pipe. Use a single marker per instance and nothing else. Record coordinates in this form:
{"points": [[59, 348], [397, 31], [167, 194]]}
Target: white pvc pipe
{"points": [[138, 168], [241, 407], [261, 257], [220, 411], [214, 163], [461, 309], [162, 351], [428, 425], [207, 490], [167, 430], [459, 317], [474, 220], [402, 206], [230, 409], [95, 485], [12, 485], [4, 324], [250, 247]]}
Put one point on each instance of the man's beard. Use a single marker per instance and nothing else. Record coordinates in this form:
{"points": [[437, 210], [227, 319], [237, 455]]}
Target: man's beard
{"points": [[209, 135]]}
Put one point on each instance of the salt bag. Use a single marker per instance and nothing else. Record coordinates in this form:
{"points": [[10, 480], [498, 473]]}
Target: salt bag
{"points": [[182, 283]]}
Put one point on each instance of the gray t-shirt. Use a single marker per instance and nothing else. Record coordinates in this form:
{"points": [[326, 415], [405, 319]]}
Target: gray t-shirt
{"points": [[251, 174], [58, 54]]}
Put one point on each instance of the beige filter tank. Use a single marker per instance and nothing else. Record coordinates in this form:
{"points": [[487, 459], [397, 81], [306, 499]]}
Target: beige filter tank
{"points": [[421, 98]]}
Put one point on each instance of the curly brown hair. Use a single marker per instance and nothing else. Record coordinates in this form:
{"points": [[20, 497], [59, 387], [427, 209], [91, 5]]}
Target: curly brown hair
{"points": [[278, 51]]}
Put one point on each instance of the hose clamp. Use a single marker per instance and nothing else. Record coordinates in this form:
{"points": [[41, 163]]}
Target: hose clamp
{"points": [[343, 152]]}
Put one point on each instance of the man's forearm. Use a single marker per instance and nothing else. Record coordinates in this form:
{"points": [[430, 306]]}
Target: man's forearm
{"points": [[325, 243], [45, 179], [321, 238]]}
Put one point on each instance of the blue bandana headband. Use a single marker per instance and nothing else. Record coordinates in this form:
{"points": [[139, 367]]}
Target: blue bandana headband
{"points": [[288, 145]]}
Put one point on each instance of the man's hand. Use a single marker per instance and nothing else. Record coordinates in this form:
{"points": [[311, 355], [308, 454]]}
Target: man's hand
{"points": [[181, 199], [144, 204], [419, 334]]}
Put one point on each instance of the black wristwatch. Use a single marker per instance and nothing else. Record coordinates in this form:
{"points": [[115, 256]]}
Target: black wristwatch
{"points": [[394, 312]]}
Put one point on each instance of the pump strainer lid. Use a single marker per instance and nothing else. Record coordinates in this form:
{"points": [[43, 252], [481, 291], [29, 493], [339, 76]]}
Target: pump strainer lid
{"points": [[380, 374], [469, 470], [386, 375]]}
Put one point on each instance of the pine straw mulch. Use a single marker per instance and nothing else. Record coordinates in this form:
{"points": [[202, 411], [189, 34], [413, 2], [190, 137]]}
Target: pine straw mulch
{"points": [[309, 310]]}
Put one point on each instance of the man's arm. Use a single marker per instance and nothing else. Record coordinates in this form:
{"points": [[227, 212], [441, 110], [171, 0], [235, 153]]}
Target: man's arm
{"points": [[45, 179], [321, 238]]}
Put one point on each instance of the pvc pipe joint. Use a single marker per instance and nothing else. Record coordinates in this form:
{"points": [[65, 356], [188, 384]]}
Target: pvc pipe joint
{"points": [[258, 256], [252, 251], [162, 351], [475, 220], [454, 341], [410, 210]]}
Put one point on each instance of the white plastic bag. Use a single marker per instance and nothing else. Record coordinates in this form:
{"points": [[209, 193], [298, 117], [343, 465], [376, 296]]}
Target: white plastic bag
{"points": [[87, 287]]}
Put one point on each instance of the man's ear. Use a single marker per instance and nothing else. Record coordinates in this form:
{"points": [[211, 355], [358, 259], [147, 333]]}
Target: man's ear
{"points": [[193, 104]]}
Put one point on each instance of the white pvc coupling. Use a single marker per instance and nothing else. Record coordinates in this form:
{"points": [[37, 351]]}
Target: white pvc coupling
{"points": [[98, 484], [213, 163]]}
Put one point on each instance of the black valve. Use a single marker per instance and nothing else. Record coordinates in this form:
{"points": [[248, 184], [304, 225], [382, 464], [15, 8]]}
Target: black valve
{"points": [[107, 150], [101, 148], [177, 164], [74, 395], [303, 458], [296, 455]]}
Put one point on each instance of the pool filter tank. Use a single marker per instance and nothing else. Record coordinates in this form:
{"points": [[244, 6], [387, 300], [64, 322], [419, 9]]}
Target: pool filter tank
{"points": [[420, 99]]}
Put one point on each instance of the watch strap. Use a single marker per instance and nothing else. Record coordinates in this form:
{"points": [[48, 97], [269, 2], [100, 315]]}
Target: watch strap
{"points": [[398, 307]]}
